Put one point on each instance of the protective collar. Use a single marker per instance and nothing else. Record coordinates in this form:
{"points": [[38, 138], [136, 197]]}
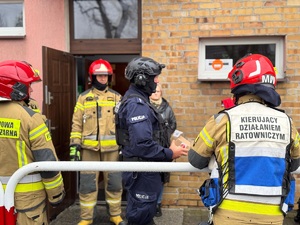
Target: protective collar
{"points": [[268, 94]]}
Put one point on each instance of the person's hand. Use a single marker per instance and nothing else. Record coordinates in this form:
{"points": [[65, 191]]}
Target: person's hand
{"points": [[75, 153], [178, 150]]}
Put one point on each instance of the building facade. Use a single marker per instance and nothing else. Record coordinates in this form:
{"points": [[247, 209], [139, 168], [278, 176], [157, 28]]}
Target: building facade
{"points": [[173, 32]]}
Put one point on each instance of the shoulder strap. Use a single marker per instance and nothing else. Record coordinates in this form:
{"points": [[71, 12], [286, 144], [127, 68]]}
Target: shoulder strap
{"points": [[136, 95], [141, 97]]}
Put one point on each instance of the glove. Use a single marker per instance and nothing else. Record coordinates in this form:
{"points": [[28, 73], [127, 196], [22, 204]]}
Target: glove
{"points": [[75, 153]]}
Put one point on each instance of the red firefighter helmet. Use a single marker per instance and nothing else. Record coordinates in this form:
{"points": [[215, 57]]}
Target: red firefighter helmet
{"points": [[252, 69], [100, 67], [16, 78]]}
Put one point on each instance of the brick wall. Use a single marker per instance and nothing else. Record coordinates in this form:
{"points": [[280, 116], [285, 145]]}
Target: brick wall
{"points": [[170, 33]]}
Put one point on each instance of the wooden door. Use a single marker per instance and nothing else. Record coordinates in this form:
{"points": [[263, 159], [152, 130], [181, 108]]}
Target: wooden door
{"points": [[59, 80]]}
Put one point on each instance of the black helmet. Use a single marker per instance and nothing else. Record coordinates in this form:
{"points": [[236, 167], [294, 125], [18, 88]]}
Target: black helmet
{"points": [[144, 66]]}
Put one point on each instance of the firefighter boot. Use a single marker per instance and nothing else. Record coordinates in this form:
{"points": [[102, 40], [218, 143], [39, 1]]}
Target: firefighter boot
{"points": [[85, 222], [117, 220]]}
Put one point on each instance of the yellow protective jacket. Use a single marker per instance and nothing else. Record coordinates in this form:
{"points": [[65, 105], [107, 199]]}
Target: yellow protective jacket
{"points": [[214, 140], [93, 124], [24, 138]]}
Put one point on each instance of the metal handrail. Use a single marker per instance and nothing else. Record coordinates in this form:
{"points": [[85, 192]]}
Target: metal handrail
{"points": [[92, 166]]}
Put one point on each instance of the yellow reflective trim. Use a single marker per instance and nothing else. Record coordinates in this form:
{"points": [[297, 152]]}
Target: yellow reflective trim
{"points": [[38, 131], [296, 141], [79, 106], [9, 128], [106, 103], [87, 204], [53, 184], [36, 110], [75, 135], [94, 143], [89, 105], [224, 157], [108, 143], [113, 201], [90, 143], [22, 157], [250, 207], [227, 131], [23, 188], [206, 138], [48, 136], [224, 154]]}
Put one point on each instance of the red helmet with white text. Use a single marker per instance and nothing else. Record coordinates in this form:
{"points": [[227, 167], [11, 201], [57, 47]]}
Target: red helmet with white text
{"points": [[252, 69], [16, 78], [100, 67]]}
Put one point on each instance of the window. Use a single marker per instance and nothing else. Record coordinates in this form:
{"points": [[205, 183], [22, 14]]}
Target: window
{"points": [[12, 19], [218, 55], [105, 19], [107, 26]]}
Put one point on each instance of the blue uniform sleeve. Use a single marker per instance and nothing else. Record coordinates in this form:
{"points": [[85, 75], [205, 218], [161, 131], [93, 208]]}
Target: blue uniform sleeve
{"points": [[141, 122]]}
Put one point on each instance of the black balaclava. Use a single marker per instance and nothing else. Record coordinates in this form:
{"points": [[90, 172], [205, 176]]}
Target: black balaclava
{"points": [[149, 87], [96, 84]]}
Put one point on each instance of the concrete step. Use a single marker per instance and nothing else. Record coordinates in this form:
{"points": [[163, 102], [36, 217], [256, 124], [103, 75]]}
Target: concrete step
{"points": [[171, 216]]}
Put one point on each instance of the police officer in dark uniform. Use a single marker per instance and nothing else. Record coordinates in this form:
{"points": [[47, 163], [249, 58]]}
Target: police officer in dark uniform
{"points": [[140, 133]]}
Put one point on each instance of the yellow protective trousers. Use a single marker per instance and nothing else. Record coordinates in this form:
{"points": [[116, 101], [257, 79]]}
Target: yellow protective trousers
{"points": [[88, 185], [37, 216]]}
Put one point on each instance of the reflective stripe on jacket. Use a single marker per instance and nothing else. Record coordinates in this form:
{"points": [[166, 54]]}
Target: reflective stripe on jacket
{"points": [[26, 184], [93, 124], [214, 140], [27, 139]]}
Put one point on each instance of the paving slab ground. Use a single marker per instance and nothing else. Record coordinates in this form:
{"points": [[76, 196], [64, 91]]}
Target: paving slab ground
{"points": [[171, 216]]}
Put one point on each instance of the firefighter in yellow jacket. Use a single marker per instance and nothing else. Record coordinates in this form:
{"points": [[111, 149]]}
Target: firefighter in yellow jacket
{"points": [[255, 147], [93, 139], [24, 138]]}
